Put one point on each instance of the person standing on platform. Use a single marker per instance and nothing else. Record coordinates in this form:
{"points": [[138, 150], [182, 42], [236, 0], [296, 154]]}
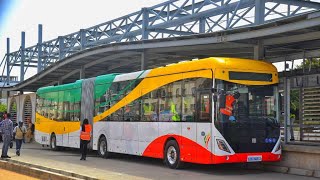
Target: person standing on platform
{"points": [[19, 132], [85, 137], [1, 119], [7, 132], [29, 134]]}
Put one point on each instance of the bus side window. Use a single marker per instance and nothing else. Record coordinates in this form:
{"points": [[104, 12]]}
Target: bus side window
{"points": [[204, 97], [204, 107], [132, 111], [150, 106], [170, 103], [188, 100]]}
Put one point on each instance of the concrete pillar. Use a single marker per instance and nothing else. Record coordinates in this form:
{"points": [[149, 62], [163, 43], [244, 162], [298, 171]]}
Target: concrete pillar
{"points": [[300, 112], [258, 50], [39, 48], [287, 134], [23, 46], [8, 61], [143, 60], [303, 62], [82, 72], [8, 94]]}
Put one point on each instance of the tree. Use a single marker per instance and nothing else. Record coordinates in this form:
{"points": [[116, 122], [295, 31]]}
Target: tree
{"points": [[294, 94], [3, 107], [294, 103], [315, 63]]}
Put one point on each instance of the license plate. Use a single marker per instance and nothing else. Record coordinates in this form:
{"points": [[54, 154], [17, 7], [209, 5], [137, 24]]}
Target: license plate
{"points": [[254, 158]]}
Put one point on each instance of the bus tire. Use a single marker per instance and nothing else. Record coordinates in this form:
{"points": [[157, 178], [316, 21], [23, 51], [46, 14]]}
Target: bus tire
{"points": [[103, 148], [172, 155], [53, 142]]}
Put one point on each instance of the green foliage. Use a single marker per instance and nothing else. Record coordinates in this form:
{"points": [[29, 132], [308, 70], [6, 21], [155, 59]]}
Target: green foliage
{"points": [[294, 104], [13, 106], [294, 94], [294, 100], [3, 107], [315, 63]]}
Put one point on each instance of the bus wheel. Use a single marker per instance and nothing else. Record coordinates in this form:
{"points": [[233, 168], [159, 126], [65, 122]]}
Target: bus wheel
{"points": [[53, 142], [172, 155], [103, 147]]}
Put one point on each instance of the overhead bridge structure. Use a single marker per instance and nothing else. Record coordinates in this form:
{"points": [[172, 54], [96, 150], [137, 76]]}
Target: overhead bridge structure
{"points": [[168, 32], [176, 30]]}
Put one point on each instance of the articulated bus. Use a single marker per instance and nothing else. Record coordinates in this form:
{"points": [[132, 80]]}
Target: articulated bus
{"points": [[207, 111]]}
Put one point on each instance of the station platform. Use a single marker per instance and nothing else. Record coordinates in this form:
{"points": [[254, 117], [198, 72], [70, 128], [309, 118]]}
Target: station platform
{"points": [[43, 163], [297, 159]]}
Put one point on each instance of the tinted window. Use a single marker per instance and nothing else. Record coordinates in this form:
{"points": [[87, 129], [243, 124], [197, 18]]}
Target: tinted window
{"points": [[250, 76]]}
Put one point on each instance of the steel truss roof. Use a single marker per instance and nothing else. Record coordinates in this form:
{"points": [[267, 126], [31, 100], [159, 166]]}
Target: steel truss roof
{"points": [[171, 19]]}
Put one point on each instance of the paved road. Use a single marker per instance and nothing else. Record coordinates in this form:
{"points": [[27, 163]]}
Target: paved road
{"points": [[132, 167], [4, 174]]}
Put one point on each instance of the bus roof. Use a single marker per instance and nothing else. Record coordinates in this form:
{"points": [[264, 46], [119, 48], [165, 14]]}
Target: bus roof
{"points": [[107, 78], [221, 63], [47, 89]]}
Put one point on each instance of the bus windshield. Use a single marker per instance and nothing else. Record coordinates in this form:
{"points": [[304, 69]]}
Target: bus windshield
{"points": [[244, 112]]}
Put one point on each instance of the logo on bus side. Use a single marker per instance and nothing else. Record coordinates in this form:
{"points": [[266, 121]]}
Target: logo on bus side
{"points": [[207, 139]]}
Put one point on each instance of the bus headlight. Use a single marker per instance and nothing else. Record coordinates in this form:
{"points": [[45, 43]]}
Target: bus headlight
{"points": [[222, 145]]}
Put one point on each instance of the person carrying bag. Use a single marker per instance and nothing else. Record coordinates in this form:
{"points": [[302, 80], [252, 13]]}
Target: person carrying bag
{"points": [[19, 132]]}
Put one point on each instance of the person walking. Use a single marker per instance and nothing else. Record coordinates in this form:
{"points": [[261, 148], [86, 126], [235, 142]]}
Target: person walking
{"points": [[7, 132], [19, 132], [85, 137]]}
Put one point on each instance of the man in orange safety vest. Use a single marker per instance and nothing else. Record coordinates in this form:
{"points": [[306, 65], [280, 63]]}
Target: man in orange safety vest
{"points": [[85, 137], [230, 99]]}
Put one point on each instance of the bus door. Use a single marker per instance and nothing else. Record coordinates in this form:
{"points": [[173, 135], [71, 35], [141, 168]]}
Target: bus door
{"points": [[204, 134], [65, 135]]}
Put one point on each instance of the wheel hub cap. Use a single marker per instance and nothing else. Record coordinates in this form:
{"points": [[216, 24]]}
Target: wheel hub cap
{"points": [[172, 155]]}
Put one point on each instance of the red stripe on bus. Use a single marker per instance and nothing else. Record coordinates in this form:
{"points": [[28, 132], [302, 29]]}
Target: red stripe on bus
{"points": [[242, 157], [191, 151]]}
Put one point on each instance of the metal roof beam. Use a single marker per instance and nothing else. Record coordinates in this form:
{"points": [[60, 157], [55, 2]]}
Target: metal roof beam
{"points": [[207, 13], [18, 65], [114, 56], [292, 39], [302, 3], [112, 67], [182, 33], [299, 55]]}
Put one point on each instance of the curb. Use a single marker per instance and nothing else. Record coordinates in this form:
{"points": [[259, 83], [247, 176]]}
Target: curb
{"points": [[40, 172], [285, 170]]}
